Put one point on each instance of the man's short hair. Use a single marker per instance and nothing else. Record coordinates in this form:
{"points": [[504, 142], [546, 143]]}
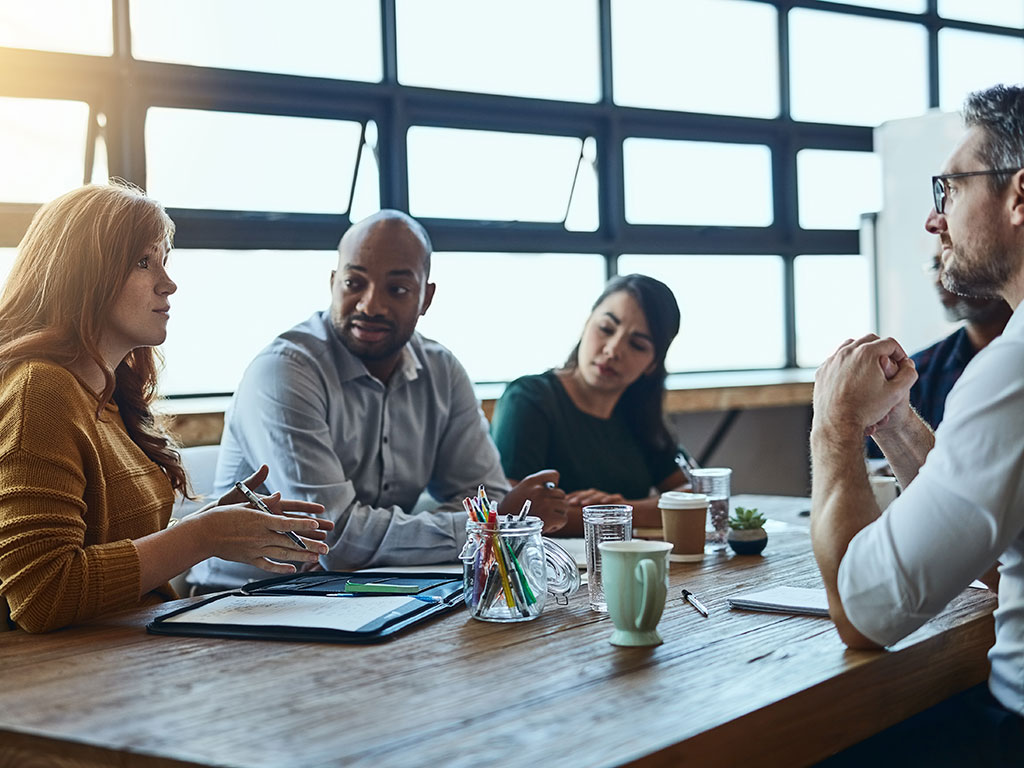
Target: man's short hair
{"points": [[999, 110]]}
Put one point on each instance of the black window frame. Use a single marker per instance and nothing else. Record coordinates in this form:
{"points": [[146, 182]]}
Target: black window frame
{"points": [[123, 88]]}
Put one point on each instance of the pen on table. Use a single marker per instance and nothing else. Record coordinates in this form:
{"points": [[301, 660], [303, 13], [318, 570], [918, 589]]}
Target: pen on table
{"points": [[257, 502], [689, 597]]}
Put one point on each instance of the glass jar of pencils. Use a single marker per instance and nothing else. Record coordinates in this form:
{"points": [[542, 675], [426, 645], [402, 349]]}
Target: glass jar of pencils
{"points": [[509, 569]]}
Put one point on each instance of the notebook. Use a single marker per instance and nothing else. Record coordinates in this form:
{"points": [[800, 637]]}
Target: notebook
{"points": [[798, 600]]}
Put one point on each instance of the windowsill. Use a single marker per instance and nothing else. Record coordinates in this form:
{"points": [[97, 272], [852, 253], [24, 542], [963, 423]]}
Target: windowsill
{"points": [[687, 392]]}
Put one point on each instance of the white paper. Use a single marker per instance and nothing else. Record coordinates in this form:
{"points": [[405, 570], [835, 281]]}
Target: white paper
{"points": [[799, 600], [577, 548], [318, 612]]}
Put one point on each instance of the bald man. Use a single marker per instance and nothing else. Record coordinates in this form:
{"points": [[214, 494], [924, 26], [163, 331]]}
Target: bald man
{"points": [[354, 409]]}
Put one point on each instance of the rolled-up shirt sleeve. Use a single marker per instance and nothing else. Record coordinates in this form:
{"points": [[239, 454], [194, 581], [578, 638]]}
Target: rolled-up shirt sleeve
{"points": [[958, 516]]}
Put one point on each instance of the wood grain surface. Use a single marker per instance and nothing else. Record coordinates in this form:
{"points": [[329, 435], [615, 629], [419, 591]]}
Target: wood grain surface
{"points": [[738, 686]]}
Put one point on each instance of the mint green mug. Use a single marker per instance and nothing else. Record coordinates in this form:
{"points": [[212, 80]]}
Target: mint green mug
{"points": [[635, 579]]}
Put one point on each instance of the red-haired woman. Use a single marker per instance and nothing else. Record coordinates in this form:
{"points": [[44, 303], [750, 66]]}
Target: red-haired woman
{"points": [[87, 477]]}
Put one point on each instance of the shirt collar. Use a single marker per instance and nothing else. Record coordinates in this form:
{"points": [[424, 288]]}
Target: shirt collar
{"points": [[1015, 324]]}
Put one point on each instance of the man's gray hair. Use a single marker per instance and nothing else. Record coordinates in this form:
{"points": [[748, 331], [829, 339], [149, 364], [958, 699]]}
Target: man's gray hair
{"points": [[998, 110]]}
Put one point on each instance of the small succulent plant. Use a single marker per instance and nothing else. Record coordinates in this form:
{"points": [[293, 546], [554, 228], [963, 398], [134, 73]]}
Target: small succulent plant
{"points": [[746, 519]]}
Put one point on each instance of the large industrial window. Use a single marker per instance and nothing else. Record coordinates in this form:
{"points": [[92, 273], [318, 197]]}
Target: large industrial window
{"points": [[723, 146]]}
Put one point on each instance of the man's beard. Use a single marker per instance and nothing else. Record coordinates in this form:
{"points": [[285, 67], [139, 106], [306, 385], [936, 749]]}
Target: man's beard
{"points": [[983, 279], [372, 351]]}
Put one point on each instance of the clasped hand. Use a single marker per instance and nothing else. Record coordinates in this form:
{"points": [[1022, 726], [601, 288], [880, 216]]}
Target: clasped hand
{"points": [[865, 385]]}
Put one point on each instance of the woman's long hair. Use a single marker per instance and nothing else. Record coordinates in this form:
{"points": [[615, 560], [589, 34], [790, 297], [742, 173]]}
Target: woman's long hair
{"points": [[70, 269], [641, 403]]}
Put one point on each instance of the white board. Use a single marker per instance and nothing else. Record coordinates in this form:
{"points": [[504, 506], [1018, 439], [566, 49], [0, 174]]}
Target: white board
{"points": [[912, 151]]}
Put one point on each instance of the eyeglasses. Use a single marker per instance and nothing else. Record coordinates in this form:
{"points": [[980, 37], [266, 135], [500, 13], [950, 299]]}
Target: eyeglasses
{"points": [[940, 190]]}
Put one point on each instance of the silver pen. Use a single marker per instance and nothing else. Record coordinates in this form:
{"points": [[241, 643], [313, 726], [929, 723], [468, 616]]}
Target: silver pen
{"points": [[257, 502], [688, 596], [525, 510]]}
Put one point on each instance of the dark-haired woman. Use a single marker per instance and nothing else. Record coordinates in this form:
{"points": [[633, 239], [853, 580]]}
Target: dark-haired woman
{"points": [[598, 420], [87, 476]]}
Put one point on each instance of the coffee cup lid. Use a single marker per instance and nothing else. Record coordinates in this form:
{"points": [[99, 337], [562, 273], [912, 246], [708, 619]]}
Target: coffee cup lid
{"points": [[680, 500]]}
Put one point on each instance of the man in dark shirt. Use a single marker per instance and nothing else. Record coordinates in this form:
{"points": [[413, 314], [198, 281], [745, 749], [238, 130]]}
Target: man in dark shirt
{"points": [[940, 365]]}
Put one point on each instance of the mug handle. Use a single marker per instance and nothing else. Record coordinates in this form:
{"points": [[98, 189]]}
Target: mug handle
{"points": [[646, 572]]}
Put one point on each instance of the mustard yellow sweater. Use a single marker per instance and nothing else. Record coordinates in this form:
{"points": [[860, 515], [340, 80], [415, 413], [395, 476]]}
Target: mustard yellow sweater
{"points": [[74, 492]]}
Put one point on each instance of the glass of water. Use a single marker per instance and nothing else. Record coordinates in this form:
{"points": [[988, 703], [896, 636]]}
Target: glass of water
{"points": [[714, 483], [603, 522]]}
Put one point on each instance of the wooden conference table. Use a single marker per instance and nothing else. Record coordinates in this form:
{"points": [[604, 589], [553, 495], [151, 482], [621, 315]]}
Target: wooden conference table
{"points": [[738, 686]]}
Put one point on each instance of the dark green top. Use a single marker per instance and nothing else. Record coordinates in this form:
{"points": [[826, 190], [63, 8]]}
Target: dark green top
{"points": [[537, 426]]}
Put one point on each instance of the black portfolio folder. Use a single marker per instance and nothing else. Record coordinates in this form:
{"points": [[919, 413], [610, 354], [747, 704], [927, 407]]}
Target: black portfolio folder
{"points": [[325, 606]]}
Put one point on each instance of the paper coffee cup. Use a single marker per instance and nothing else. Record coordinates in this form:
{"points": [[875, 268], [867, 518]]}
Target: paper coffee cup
{"points": [[684, 518], [885, 489]]}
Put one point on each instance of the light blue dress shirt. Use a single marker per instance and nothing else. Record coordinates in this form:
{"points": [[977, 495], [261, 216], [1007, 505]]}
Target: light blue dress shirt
{"points": [[334, 434]]}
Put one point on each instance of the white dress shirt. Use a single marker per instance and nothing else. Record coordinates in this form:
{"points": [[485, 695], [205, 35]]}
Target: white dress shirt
{"points": [[963, 511]]}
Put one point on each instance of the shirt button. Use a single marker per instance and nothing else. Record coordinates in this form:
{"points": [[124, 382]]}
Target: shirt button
{"points": [[386, 486], [385, 438]]}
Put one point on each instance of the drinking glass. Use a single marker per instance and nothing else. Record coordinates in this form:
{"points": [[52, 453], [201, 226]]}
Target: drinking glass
{"points": [[714, 483], [603, 522]]}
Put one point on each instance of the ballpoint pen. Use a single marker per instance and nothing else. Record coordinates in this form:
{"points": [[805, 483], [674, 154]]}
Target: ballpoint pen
{"points": [[689, 597], [525, 510], [257, 502], [686, 462]]}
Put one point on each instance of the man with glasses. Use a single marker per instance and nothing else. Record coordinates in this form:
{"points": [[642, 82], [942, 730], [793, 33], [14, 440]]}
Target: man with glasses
{"points": [[962, 509]]}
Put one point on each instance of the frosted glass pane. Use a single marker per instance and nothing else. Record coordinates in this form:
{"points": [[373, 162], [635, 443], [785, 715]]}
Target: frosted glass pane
{"points": [[528, 48], [42, 148], [731, 306], [697, 182], [366, 196], [971, 61], [835, 188], [825, 316], [100, 168], [322, 38], [1007, 13], [582, 215], [531, 316], [209, 344], [858, 71], [68, 26], [491, 175], [718, 56], [236, 161]]}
